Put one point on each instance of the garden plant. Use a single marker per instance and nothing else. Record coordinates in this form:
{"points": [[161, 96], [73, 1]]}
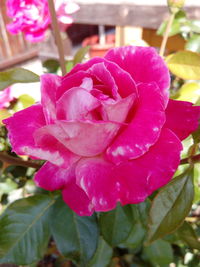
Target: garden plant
{"points": [[105, 169]]}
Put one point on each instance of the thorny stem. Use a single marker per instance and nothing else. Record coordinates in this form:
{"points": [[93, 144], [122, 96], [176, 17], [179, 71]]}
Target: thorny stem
{"points": [[19, 162], [166, 34], [57, 36], [193, 159]]}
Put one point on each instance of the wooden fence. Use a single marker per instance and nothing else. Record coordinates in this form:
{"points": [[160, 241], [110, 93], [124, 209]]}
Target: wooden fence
{"points": [[13, 48]]}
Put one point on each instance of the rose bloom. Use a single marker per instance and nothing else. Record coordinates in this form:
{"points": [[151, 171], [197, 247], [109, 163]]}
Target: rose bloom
{"points": [[107, 129], [32, 17], [5, 98]]}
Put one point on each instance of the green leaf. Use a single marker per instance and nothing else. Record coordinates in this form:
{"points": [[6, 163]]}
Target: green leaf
{"points": [[7, 186], [143, 211], [24, 101], [175, 28], [172, 238], [136, 236], [196, 135], [159, 253], [170, 206], [79, 56], [17, 75], [139, 221], [185, 65], [116, 225], [51, 65], [69, 65], [102, 255], [76, 237], [187, 234], [24, 230], [189, 92], [180, 18], [194, 25], [4, 114], [193, 44], [196, 182]]}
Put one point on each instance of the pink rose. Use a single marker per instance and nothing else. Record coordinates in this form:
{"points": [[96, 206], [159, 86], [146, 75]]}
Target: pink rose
{"points": [[5, 97], [32, 17], [107, 129]]}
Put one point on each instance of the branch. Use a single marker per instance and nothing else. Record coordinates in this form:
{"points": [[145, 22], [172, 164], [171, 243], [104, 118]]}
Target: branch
{"points": [[17, 161], [193, 159], [166, 34], [57, 36]]}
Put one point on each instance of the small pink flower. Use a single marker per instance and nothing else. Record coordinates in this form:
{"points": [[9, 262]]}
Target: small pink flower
{"points": [[64, 9], [32, 17], [107, 129], [5, 97]]}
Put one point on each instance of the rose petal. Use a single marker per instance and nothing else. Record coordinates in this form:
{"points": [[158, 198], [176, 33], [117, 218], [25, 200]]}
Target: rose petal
{"points": [[35, 37], [14, 27], [140, 177], [122, 79], [77, 200], [130, 182], [143, 64], [182, 118], [87, 84], [21, 127], [51, 177], [87, 138], [49, 85], [75, 104], [144, 129], [118, 110], [125, 83], [51, 149], [72, 80], [94, 176], [101, 73], [5, 97]]}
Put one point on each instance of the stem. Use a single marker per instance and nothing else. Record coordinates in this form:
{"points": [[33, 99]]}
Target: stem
{"points": [[16, 161], [193, 159], [166, 34], [57, 36]]}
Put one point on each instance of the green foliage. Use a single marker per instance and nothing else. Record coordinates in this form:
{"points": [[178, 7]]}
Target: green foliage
{"points": [[79, 56], [159, 253], [152, 233], [193, 43], [17, 75], [170, 206], [51, 65], [185, 65], [189, 92], [102, 256], [24, 230], [188, 235], [24, 101], [116, 224], [7, 186], [196, 183], [76, 236], [178, 23], [187, 28]]}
